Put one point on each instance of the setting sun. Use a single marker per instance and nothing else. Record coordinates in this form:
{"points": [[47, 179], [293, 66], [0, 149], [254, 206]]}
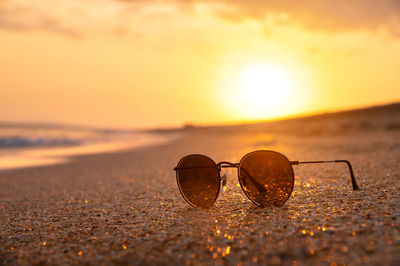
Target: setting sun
{"points": [[264, 85], [264, 88]]}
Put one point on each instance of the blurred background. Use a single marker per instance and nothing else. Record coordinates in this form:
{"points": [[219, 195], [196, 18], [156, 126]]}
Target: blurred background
{"points": [[98, 66], [158, 63]]}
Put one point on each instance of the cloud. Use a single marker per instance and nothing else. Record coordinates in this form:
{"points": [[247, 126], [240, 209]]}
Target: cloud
{"points": [[77, 17], [327, 15], [313, 15], [22, 19]]}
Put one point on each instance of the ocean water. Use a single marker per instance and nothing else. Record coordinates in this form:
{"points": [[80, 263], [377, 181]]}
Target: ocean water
{"points": [[28, 145]]}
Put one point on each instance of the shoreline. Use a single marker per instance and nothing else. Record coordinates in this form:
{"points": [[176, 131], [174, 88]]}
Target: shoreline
{"points": [[39, 157]]}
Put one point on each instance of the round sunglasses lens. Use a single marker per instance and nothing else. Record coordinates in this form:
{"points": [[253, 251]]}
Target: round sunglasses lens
{"points": [[266, 177], [198, 180]]}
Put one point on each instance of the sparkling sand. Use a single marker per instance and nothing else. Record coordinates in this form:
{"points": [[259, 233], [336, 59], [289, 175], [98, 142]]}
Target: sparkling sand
{"points": [[125, 208]]}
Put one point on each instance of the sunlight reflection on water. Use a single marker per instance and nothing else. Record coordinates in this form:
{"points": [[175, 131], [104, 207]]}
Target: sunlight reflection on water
{"points": [[13, 158]]}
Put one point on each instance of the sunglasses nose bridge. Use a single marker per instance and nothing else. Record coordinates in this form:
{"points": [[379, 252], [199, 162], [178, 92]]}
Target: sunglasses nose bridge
{"points": [[225, 164]]}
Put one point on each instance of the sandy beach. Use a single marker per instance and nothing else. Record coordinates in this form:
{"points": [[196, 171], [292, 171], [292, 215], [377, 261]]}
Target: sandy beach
{"points": [[125, 207]]}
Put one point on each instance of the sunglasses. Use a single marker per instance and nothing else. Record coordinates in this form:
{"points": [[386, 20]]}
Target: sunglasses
{"points": [[266, 177]]}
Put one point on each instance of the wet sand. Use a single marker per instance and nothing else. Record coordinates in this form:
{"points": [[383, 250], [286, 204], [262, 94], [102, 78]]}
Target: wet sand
{"points": [[125, 208]]}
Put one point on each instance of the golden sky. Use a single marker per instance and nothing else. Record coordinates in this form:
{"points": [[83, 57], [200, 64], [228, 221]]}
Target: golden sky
{"points": [[148, 63]]}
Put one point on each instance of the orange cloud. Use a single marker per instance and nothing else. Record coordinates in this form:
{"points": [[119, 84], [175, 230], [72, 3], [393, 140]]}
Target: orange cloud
{"points": [[340, 15], [24, 19], [73, 17]]}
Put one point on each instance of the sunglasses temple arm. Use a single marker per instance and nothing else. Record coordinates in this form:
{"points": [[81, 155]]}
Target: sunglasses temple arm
{"points": [[353, 180], [259, 187]]}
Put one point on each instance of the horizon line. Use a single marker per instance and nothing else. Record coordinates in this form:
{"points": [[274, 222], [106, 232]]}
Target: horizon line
{"points": [[197, 125]]}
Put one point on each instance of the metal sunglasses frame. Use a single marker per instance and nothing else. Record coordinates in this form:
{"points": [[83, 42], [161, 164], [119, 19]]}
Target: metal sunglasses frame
{"points": [[226, 164]]}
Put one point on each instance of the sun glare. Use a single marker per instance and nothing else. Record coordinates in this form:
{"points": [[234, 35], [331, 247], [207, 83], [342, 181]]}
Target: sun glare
{"points": [[264, 85], [262, 89]]}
